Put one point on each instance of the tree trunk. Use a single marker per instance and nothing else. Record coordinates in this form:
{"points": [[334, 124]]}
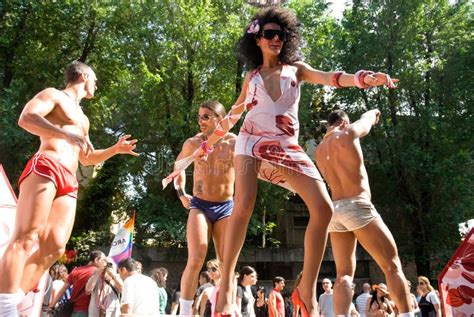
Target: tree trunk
{"points": [[90, 40], [11, 49]]}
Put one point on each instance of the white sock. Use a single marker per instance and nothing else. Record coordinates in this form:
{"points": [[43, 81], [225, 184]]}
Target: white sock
{"points": [[185, 307], [343, 315], [8, 305], [410, 314]]}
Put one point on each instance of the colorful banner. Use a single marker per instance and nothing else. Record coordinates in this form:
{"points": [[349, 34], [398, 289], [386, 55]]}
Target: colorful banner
{"points": [[456, 281], [122, 245]]}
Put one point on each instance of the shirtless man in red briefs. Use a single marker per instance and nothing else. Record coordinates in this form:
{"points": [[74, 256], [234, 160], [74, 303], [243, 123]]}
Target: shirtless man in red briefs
{"points": [[48, 185]]}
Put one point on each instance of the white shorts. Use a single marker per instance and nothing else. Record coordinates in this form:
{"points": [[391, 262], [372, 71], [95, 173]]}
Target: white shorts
{"points": [[351, 214]]}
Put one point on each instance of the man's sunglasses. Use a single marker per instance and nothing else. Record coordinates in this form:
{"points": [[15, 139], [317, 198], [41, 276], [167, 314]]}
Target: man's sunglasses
{"points": [[270, 34]]}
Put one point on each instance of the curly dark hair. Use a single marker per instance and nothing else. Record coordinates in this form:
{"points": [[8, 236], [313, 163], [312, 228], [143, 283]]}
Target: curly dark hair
{"points": [[251, 55]]}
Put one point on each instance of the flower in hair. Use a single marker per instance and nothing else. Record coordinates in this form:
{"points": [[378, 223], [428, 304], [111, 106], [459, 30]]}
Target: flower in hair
{"points": [[254, 27]]}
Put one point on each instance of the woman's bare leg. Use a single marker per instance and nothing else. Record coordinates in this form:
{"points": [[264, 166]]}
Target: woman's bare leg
{"points": [[246, 169], [320, 207]]}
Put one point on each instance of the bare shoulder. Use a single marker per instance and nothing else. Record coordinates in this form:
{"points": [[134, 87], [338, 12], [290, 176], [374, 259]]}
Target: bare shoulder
{"points": [[301, 69], [50, 94], [193, 142]]}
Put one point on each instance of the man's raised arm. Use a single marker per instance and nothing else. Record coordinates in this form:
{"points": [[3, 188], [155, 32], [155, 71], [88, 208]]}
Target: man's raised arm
{"points": [[362, 127]]}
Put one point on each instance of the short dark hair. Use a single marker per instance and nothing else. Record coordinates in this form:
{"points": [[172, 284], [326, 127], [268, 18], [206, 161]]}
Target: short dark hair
{"points": [[74, 70], [277, 279], [205, 275], [336, 116], [215, 106], [95, 255], [129, 264]]}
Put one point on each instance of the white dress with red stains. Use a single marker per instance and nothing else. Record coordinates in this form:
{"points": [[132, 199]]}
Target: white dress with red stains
{"points": [[270, 129]]}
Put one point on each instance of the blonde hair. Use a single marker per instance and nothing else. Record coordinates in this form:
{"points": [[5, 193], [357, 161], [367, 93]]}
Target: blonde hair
{"points": [[425, 280], [213, 263]]}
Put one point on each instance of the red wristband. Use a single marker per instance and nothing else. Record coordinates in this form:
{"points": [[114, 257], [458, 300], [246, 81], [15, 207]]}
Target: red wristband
{"points": [[335, 79], [359, 78]]}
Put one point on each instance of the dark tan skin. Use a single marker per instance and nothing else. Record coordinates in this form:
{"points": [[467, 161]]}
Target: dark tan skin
{"points": [[213, 181]]}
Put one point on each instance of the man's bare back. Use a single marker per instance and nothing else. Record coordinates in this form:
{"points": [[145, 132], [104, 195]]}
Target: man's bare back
{"points": [[340, 160], [214, 177]]}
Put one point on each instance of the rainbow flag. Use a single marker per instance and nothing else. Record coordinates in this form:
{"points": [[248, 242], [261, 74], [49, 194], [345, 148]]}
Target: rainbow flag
{"points": [[122, 245]]}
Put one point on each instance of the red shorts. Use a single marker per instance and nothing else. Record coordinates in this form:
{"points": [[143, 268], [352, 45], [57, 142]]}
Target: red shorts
{"points": [[46, 166]]}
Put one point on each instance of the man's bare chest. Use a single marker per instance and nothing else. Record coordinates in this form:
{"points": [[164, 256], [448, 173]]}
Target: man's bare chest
{"points": [[218, 163], [69, 116]]}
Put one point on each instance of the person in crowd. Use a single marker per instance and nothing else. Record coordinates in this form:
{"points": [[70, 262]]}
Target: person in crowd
{"points": [[245, 300], [261, 307], [175, 296], [204, 282], [58, 274], [326, 306], [139, 292], [267, 145], [379, 304], [78, 280], [211, 203], [414, 300], [288, 304], [361, 300], [139, 266], [160, 275], [48, 185], [352, 309], [429, 302], [105, 287], [276, 304], [339, 158], [208, 293]]}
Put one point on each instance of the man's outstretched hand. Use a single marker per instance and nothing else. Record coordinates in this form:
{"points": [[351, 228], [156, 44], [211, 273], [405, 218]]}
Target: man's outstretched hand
{"points": [[126, 146]]}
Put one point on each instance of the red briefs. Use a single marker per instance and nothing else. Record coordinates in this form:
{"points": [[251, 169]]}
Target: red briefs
{"points": [[46, 166]]}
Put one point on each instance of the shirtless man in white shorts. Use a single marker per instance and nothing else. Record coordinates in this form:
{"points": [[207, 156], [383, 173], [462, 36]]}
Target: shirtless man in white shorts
{"points": [[340, 160]]}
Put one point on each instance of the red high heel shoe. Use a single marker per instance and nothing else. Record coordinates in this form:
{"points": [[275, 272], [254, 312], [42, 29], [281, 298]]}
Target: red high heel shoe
{"points": [[299, 308]]}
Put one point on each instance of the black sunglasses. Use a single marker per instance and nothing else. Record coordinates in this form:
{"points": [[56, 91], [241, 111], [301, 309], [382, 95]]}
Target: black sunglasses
{"points": [[212, 269], [270, 34]]}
